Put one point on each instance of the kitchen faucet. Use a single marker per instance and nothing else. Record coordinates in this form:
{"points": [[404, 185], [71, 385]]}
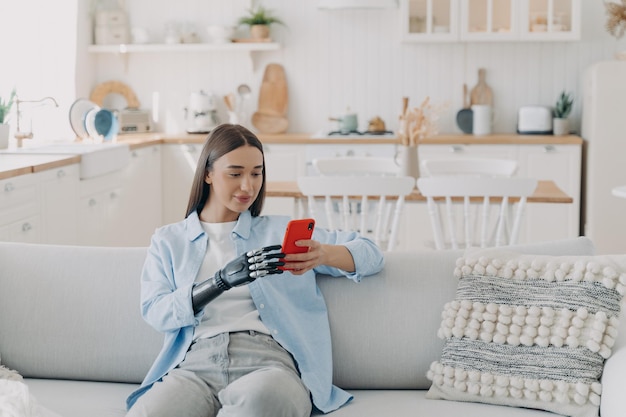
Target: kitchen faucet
{"points": [[19, 135]]}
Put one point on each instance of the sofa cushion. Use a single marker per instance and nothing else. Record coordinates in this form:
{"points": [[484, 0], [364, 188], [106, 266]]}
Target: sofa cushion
{"points": [[401, 303], [73, 312], [81, 398], [530, 330]]}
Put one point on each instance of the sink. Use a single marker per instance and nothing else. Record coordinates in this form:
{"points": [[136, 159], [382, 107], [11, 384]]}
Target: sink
{"points": [[95, 158]]}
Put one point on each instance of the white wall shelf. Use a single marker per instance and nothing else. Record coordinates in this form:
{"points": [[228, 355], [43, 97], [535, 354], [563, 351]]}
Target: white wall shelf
{"points": [[184, 47], [124, 50]]}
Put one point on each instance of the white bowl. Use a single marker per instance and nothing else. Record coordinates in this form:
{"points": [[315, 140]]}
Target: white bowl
{"points": [[220, 34]]}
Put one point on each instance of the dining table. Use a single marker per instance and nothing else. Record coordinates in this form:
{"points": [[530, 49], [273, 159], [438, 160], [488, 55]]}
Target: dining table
{"points": [[547, 191]]}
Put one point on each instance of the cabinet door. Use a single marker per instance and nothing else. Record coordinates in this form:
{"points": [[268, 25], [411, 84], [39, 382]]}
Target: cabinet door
{"points": [[27, 230], [178, 165], [142, 196], [429, 20], [550, 20], [561, 164], [100, 211], [20, 200], [489, 20], [59, 208]]}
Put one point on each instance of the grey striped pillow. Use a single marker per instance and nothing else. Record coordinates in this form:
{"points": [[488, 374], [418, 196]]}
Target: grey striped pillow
{"points": [[530, 331]]}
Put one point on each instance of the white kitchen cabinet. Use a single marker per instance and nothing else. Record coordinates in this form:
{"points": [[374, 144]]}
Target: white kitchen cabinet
{"points": [[20, 209], [142, 195], [59, 195], [283, 163], [429, 20], [179, 165], [561, 164], [100, 215], [549, 20], [490, 20]]}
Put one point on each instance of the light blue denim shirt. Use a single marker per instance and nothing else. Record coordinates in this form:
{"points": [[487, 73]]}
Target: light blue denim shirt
{"points": [[292, 307]]}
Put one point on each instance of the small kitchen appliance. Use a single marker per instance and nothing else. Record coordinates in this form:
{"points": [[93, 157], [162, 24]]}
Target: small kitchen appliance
{"points": [[134, 121], [201, 114], [534, 120]]}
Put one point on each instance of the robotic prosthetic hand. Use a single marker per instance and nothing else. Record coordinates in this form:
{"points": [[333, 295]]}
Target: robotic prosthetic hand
{"points": [[241, 270]]}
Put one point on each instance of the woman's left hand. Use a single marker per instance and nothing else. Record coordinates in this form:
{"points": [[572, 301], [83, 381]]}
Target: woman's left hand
{"points": [[337, 256], [299, 263]]}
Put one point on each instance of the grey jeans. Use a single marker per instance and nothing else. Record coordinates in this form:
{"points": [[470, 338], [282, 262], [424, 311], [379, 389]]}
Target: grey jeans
{"points": [[232, 374]]}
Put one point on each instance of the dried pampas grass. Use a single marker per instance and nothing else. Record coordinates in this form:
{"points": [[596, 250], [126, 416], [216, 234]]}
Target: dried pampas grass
{"points": [[616, 21]]}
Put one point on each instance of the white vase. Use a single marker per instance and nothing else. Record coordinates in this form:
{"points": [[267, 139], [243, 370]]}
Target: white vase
{"points": [[409, 162], [4, 135], [560, 126]]}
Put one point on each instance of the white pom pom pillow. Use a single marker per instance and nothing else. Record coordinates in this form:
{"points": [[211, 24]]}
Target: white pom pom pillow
{"points": [[530, 331]]}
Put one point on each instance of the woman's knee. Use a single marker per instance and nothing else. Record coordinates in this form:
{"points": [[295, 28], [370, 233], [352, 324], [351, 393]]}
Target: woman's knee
{"points": [[274, 392]]}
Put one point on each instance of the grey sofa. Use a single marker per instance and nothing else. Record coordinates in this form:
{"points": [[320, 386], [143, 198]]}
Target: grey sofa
{"points": [[70, 324]]}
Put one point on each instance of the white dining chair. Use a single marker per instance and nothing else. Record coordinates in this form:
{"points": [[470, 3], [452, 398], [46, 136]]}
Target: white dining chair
{"points": [[460, 209], [493, 167], [354, 165], [371, 205]]}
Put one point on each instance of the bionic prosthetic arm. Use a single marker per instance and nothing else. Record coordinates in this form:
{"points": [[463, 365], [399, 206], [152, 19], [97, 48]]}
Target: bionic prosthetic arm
{"points": [[241, 270]]}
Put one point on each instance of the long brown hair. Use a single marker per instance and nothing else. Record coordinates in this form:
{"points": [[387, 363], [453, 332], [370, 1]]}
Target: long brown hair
{"points": [[223, 139]]}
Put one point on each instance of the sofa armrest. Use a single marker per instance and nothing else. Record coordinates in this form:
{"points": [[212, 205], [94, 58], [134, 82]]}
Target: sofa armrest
{"points": [[613, 400]]}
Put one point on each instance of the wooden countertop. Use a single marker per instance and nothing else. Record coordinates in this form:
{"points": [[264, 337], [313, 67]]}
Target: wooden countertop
{"points": [[546, 192], [12, 165], [146, 139]]}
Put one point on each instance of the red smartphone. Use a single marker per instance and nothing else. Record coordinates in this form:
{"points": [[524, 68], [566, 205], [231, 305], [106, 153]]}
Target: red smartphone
{"points": [[297, 230]]}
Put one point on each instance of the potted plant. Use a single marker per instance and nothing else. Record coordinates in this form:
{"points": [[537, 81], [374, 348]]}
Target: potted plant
{"points": [[259, 20], [5, 108], [563, 108]]}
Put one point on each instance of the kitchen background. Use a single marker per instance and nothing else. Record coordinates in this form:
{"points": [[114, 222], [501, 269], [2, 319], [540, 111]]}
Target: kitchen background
{"points": [[334, 59]]}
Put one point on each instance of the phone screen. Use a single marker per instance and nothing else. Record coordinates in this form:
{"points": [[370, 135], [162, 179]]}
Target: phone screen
{"points": [[297, 230]]}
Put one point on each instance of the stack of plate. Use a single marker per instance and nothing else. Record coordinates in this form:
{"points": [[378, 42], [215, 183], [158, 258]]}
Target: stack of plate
{"points": [[89, 121]]}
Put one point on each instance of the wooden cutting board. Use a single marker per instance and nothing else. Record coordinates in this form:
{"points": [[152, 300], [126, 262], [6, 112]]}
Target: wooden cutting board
{"points": [[481, 93], [270, 116]]}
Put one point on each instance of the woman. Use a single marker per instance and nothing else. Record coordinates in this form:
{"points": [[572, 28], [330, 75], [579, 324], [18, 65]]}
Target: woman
{"points": [[261, 349]]}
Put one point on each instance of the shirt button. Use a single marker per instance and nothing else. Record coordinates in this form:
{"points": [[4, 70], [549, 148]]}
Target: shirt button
{"points": [[262, 305]]}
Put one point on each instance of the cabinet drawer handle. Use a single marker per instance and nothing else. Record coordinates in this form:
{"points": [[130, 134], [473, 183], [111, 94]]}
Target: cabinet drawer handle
{"points": [[60, 173], [92, 202], [8, 187], [456, 149], [134, 154], [26, 227], [549, 148], [113, 195], [155, 149]]}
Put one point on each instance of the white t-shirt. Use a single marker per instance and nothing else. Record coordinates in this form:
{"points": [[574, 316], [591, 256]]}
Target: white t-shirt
{"points": [[234, 309]]}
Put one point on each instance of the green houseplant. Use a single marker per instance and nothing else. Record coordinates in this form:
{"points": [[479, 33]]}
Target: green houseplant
{"points": [[5, 108], [562, 109], [259, 19]]}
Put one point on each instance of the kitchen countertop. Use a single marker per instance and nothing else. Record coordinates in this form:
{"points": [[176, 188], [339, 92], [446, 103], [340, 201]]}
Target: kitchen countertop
{"points": [[146, 139], [12, 165]]}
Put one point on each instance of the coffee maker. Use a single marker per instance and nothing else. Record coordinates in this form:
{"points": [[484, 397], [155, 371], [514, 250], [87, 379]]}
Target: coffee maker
{"points": [[201, 114]]}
